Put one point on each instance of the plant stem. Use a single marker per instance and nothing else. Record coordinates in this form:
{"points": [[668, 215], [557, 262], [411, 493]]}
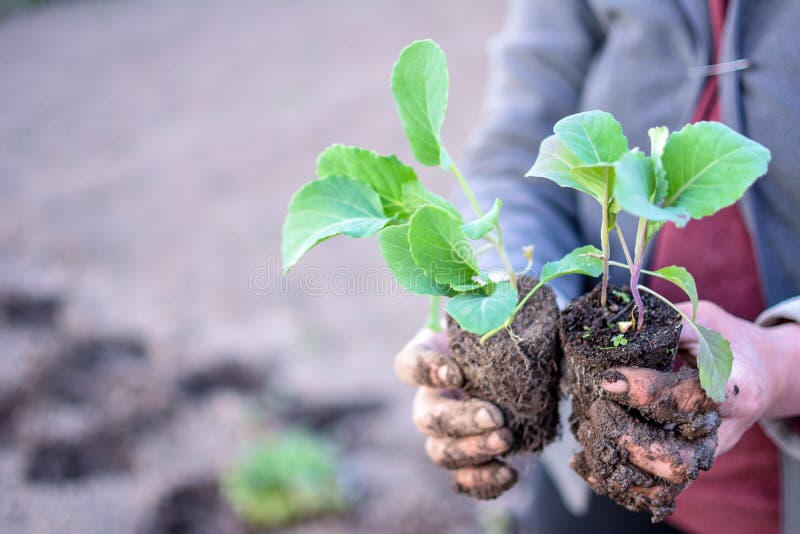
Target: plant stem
{"points": [[498, 243], [624, 244], [636, 269], [604, 244], [484, 248], [501, 251], [433, 317], [466, 188], [510, 319], [671, 305]]}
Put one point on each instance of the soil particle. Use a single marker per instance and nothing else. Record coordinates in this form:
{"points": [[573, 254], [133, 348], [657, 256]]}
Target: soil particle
{"points": [[519, 374], [610, 434]]}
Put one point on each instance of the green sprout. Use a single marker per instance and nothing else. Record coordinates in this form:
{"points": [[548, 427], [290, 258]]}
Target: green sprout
{"points": [[285, 479]]}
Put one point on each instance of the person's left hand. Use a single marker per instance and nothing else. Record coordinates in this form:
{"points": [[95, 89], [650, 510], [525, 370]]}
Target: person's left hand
{"points": [[755, 390]]}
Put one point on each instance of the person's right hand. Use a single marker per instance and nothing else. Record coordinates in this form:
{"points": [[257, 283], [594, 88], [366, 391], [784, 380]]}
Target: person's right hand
{"points": [[464, 435]]}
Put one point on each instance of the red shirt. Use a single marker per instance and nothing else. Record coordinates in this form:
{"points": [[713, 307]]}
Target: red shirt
{"points": [[741, 492]]}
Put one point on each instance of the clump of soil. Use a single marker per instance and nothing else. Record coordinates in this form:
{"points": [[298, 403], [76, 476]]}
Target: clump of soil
{"points": [[226, 375], [587, 335], [517, 371], [195, 507], [25, 310], [62, 460]]}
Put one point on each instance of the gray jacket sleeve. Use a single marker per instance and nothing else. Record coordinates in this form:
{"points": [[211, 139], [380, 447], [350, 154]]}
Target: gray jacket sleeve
{"points": [[779, 430], [539, 62]]}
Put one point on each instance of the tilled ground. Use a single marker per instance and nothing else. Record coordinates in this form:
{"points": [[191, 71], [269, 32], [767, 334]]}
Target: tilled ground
{"points": [[147, 153]]}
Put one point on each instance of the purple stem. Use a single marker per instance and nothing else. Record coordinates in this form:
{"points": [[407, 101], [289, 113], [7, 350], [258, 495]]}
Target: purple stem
{"points": [[636, 270]]}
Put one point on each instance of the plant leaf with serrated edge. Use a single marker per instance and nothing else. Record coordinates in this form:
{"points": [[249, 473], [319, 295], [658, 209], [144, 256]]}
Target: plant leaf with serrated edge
{"points": [[556, 162], [420, 86], [440, 246], [393, 241], [483, 224], [714, 361], [635, 186], [385, 174], [415, 196], [479, 313], [595, 137], [583, 260], [327, 207], [709, 166], [681, 278]]}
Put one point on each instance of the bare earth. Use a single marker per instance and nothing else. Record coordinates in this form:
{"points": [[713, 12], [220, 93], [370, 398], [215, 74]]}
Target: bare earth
{"points": [[148, 150]]}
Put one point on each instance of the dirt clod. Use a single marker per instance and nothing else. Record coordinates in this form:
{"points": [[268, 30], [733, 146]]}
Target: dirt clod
{"points": [[669, 436], [518, 374], [62, 460]]}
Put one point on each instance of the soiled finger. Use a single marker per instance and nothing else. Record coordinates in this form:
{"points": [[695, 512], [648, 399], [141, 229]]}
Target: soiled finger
{"points": [[654, 450], [487, 481], [668, 398], [667, 456], [436, 414], [454, 453], [423, 363]]}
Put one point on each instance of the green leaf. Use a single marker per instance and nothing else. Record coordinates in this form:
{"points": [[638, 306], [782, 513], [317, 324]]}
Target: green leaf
{"points": [[484, 224], [714, 362], [415, 196], [635, 187], [658, 138], [594, 136], [440, 246], [327, 207], [385, 174], [420, 85], [393, 241], [478, 313], [681, 278], [653, 227], [583, 260], [556, 162], [709, 166]]}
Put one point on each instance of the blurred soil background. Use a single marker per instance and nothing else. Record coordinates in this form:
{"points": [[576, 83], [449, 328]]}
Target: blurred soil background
{"points": [[148, 150]]}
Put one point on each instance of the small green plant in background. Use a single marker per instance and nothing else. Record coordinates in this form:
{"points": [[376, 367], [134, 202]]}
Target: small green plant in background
{"points": [[431, 248], [285, 479], [689, 174]]}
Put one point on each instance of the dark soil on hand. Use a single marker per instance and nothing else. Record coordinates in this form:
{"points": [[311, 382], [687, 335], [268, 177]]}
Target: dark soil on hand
{"points": [[517, 371], [587, 332]]}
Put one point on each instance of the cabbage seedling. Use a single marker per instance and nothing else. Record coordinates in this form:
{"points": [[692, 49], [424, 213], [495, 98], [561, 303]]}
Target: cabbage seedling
{"points": [[426, 242], [690, 174]]}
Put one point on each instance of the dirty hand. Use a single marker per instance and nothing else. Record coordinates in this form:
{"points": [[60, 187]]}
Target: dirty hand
{"points": [[464, 435], [760, 386]]}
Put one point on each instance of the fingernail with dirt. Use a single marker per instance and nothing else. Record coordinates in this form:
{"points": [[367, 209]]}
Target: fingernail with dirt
{"points": [[485, 420], [442, 373], [498, 441], [615, 382], [449, 375]]}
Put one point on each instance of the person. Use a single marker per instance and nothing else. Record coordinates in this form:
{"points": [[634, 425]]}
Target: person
{"points": [[649, 63]]}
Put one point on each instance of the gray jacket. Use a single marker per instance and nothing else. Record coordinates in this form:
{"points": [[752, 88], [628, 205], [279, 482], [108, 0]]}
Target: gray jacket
{"points": [[639, 60]]}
